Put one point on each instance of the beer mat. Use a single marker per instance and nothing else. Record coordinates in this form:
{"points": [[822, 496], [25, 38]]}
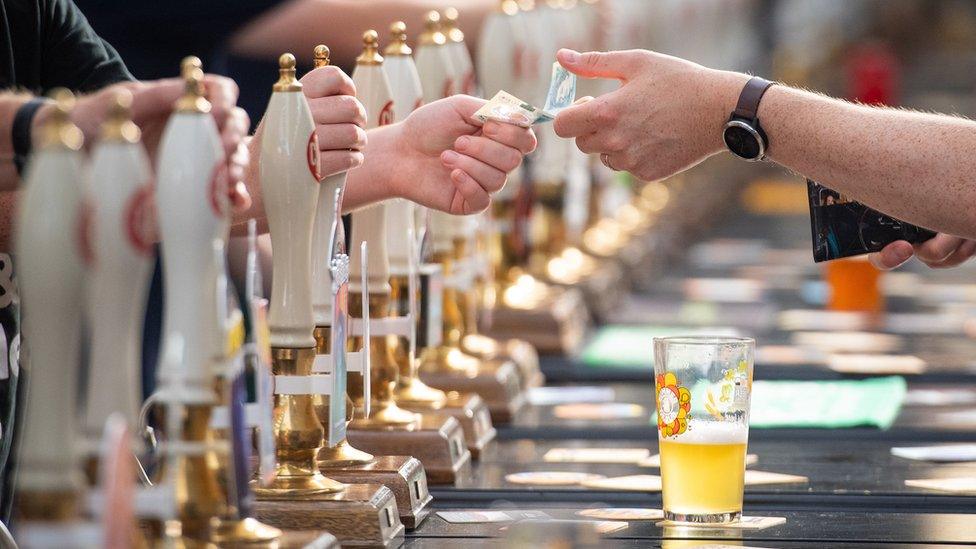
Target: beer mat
{"points": [[655, 460], [946, 293], [726, 252], [940, 397], [789, 355], [848, 341], [591, 411], [633, 483], [601, 526], [956, 484], [623, 346], [744, 523], [943, 322], [873, 402], [551, 478], [809, 319], [622, 514], [550, 396], [596, 455], [876, 364], [481, 517], [724, 290], [760, 478], [941, 453], [965, 418]]}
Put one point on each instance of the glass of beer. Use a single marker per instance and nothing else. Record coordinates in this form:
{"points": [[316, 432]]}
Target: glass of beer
{"points": [[703, 387]]}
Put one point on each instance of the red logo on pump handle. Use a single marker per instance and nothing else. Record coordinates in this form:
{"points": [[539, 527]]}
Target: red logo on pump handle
{"points": [[312, 156], [386, 115], [140, 219], [218, 189]]}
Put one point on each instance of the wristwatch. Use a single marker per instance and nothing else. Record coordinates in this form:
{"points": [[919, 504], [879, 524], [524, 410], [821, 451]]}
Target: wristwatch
{"points": [[20, 132], [743, 135]]}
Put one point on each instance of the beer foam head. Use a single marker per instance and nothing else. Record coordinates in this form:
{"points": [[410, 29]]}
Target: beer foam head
{"points": [[714, 432]]}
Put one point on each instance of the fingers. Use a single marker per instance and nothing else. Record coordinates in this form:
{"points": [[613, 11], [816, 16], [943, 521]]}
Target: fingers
{"points": [[959, 256], [341, 137], [618, 64], [327, 81], [490, 152], [333, 162], [488, 178], [587, 117], [521, 139], [222, 92], [938, 249], [470, 197], [338, 109], [892, 256]]}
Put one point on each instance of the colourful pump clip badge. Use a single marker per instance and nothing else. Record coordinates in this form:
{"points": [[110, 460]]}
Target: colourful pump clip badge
{"points": [[844, 228]]}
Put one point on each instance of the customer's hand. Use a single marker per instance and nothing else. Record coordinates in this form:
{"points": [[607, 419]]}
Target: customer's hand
{"points": [[941, 252]]}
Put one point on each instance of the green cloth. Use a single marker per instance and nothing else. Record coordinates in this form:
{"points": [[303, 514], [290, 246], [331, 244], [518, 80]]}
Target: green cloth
{"points": [[873, 402], [633, 346]]}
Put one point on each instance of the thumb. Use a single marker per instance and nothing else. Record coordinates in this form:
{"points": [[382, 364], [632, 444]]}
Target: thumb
{"points": [[892, 256], [596, 64]]}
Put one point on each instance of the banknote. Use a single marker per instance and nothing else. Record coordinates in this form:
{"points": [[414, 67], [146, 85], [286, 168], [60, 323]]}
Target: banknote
{"points": [[562, 91], [505, 107]]}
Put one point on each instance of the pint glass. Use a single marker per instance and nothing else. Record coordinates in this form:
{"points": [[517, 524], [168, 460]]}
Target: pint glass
{"points": [[703, 387]]}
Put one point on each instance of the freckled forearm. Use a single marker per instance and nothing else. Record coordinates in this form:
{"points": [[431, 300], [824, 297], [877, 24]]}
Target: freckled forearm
{"points": [[915, 166]]}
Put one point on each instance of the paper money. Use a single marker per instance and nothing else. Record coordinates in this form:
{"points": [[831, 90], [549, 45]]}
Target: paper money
{"points": [[507, 108]]}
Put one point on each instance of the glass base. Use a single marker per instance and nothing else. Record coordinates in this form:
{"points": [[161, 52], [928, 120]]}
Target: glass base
{"points": [[711, 518]]}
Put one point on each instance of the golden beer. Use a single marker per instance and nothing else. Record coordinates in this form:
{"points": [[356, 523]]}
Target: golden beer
{"points": [[703, 388], [702, 478]]}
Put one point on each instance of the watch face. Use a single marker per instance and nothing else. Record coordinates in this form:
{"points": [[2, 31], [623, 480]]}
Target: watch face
{"points": [[742, 141]]}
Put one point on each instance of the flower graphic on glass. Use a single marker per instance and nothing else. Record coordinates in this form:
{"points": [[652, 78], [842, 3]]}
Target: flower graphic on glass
{"points": [[673, 405]]}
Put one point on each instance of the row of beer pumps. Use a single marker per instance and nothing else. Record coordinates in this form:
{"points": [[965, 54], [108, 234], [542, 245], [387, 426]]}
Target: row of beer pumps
{"points": [[370, 376]]}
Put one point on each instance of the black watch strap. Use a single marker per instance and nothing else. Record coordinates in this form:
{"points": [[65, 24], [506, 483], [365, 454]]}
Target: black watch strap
{"points": [[20, 132], [752, 93]]}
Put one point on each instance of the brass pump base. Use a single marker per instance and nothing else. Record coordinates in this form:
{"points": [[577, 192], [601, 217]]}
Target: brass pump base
{"points": [[361, 515], [522, 353], [495, 381], [472, 413], [554, 322], [343, 455], [438, 444], [404, 475], [387, 417], [415, 395], [236, 532], [298, 434]]}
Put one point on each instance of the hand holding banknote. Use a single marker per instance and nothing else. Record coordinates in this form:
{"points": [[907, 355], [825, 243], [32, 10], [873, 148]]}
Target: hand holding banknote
{"points": [[507, 108]]}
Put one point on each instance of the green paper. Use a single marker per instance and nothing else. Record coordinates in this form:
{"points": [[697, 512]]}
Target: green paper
{"points": [[873, 402], [633, 346]]}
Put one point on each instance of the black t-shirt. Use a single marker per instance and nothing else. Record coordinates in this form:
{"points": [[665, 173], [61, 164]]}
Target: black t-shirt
{"points": [[44, 44]]}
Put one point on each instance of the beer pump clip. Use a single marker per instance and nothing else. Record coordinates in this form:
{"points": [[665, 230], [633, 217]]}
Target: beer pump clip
{"points": [[339, 361], [254, 356]]}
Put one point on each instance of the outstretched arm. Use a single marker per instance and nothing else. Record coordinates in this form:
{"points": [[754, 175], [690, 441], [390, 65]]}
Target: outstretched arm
{"points": [[669, 113]]}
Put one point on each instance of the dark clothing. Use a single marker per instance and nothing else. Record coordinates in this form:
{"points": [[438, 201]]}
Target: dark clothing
{"points": [[154, 35], [44, 44]]}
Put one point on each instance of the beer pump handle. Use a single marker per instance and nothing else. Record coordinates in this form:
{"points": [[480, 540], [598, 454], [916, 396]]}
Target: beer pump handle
{"points": [[369, 224], [323, 238], [193, 215], [49, 253], [290, 182], [122, 232]]}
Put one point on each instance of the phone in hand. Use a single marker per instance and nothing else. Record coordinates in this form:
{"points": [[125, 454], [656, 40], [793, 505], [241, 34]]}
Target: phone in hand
{"points": [[844, 228]]}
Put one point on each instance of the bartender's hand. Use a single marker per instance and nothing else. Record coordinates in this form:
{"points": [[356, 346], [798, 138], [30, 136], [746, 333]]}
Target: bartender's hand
{"points": [[941, 252], [152, 104], [663, 119], [443, 158]]}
